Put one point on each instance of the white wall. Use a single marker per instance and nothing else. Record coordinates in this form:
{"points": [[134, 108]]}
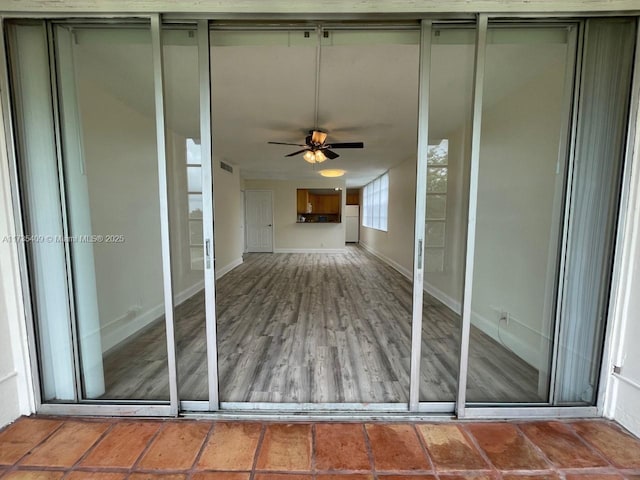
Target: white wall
{"points": [[229, 218], [16, 397], [622, 393], [516, 189], [395, 246], [447, 285], [121, 164], [299, 237]]}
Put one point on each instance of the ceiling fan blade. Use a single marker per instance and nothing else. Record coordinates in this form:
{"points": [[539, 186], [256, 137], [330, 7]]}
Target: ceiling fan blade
{"points": [[297, 153], [284, 143], [346, 145], [329, 154]]}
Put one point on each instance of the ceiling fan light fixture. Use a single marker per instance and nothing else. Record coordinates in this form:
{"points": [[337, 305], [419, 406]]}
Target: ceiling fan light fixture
{"points": [[318, 136], [309, 156], [332, 173], [320, 157]]}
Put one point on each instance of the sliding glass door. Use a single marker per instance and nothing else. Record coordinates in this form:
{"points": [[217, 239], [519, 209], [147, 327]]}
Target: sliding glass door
{"points": [[318, 323], [526, 108], [98, 295], [483, 162], [451, 49]]}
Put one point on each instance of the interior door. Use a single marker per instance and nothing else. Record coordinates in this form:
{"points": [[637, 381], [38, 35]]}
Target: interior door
{"points": [[259, 220]]}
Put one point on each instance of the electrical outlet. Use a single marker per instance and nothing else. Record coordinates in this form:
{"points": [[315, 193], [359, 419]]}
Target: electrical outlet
{"points": [[504, 317]]}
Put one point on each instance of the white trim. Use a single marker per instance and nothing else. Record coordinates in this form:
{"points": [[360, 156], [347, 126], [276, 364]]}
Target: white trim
{"points": [[627, 246], [435, 292], [530, 412], [8, 376], [322, 7], [117, 331], [520, 348], [310, 250], [17, 311], [442, 297], [474, 167], [221, 272], [392, 263], [617, 376], [511, 341], [109, 410], [273, 223]]}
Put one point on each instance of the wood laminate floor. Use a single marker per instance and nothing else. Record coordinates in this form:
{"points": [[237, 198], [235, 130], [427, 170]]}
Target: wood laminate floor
{"points": [[316, 328]]}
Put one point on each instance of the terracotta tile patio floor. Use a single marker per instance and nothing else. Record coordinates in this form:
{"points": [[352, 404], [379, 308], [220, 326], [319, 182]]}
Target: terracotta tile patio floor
{"points": [[112, 449]]}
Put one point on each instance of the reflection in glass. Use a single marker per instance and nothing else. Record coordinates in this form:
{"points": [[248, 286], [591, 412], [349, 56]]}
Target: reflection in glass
{"points": [[519, 205], [40, 189], [313, 327], [194, 179], [452, 53], [598, 165], [195, 205], [435, 234], [105, 79], [182, 95], [437, 207], [437, 179]]}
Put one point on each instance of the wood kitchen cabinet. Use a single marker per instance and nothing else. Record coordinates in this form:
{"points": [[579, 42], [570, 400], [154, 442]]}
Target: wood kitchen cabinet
{"points": [[326, 205], [303, 200]]}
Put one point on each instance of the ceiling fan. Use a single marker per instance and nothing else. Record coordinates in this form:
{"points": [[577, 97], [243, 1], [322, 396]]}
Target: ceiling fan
{"points": [[316, 150]]}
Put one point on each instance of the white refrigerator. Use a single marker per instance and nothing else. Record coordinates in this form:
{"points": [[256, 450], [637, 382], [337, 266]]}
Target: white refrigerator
{"points": [[352, 220]]}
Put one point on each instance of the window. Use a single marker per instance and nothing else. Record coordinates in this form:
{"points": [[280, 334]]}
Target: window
{"points": [[436, 219], [375, 203], [194, 192]]}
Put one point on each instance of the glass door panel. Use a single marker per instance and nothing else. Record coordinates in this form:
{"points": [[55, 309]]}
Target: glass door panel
{"points": [[43, 213], [186, 212], [520, 206], [318, 321], [596, 184], [106, 95], [450, 104]]}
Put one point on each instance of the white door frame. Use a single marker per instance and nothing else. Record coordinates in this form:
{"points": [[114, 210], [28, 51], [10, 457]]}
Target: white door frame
{"points": [[246, 229]]}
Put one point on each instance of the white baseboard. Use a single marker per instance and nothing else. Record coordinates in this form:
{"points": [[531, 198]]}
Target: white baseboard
{"points": [[8, 376], [442, 297], [187, 293], [392, 263], [520, 348], [120, 329], [309, 250], [221, 272], [9, 402], [513, 343]]}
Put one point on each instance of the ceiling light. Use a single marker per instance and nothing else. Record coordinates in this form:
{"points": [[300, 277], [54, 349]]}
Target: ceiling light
{"points": [[318, 137], [332, 173], [309, 156], [320, 157]]}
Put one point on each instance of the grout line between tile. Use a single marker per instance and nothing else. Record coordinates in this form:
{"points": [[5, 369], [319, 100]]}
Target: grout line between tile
{"points": [[207, 438], [367, 443], [263, 430], [313, 451], [474, 441], [591, 447], [14, 467], [552, 466], [91, 448], [425, 450], [153, 438]]}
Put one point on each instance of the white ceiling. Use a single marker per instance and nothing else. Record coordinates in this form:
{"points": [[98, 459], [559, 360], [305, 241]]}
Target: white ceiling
{"points": [[368, 92]]}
